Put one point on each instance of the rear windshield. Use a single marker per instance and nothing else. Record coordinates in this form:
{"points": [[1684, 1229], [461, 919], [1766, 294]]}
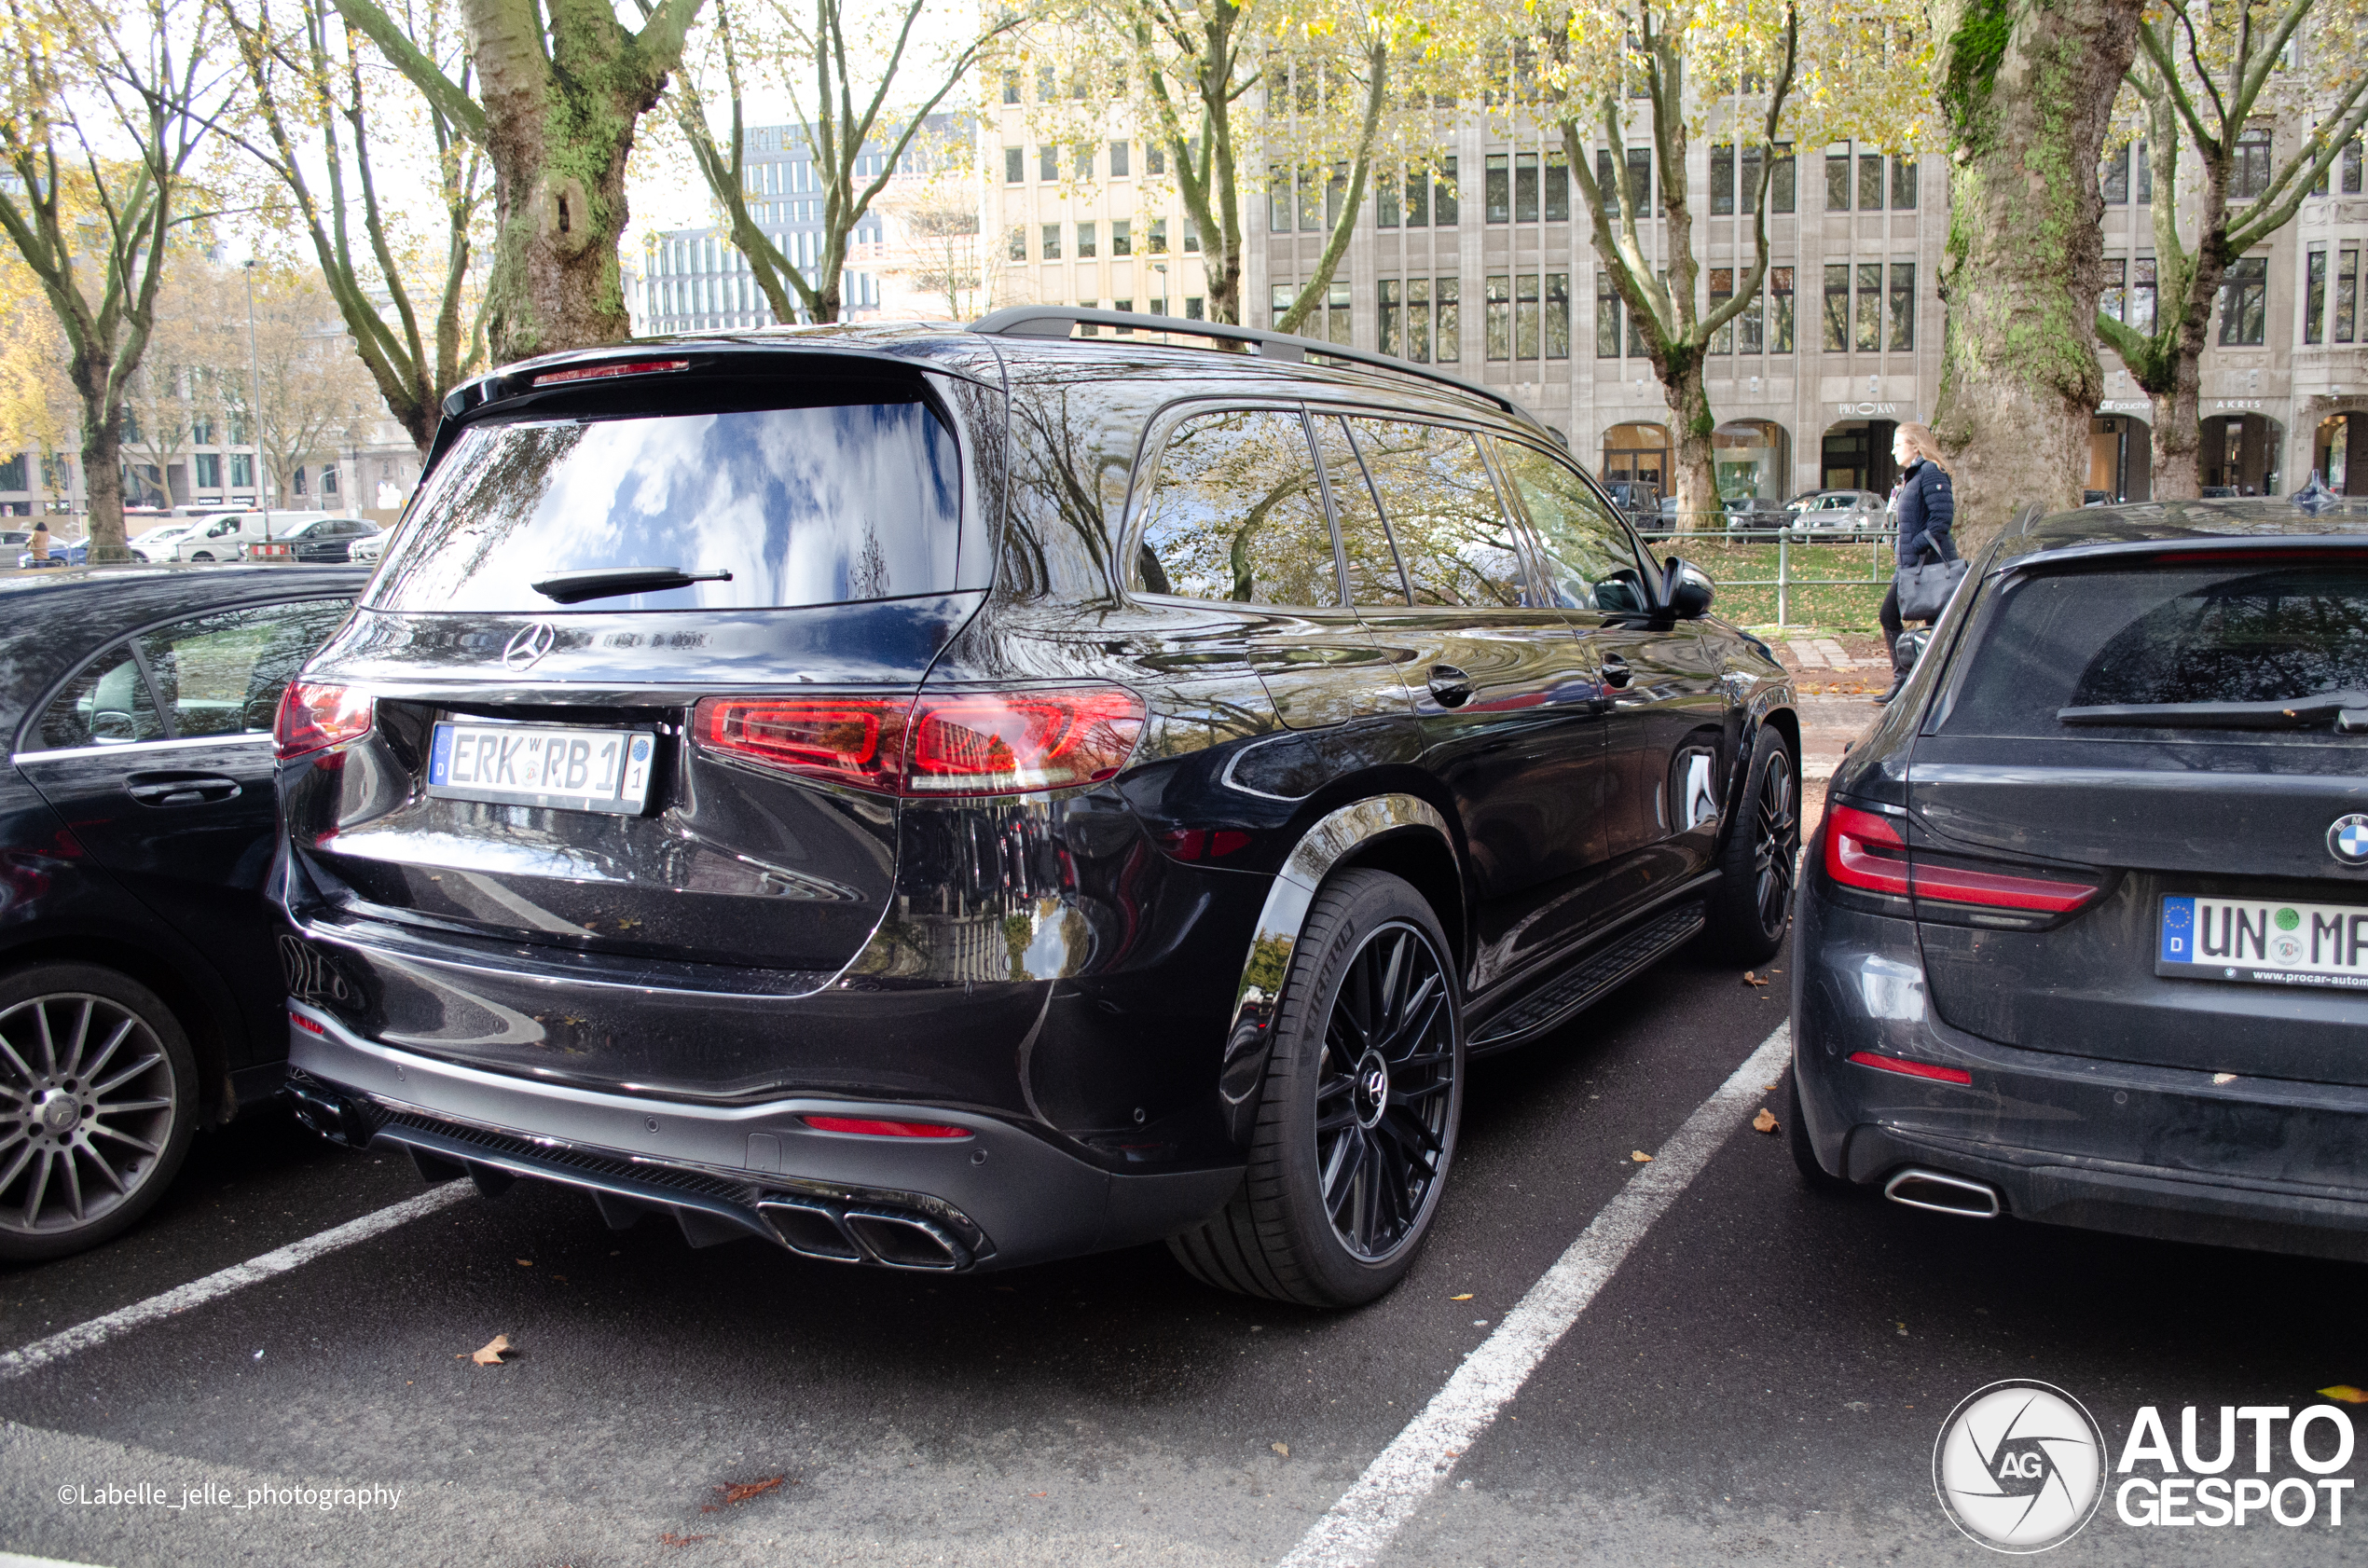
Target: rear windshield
{"points": [[2235, 633], [819, 505]]}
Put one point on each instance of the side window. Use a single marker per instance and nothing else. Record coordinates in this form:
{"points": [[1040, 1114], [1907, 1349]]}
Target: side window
{"points": [[1452, 533], [1235, 514], [1590, 561], [227, 526], [1373, 576], [222, 674], [107, 704]]}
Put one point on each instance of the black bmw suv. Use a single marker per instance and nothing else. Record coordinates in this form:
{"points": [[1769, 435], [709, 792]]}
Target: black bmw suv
{"points": [[954, 798]]}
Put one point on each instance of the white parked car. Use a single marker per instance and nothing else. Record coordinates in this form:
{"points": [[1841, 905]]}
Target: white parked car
{"points": [[158, 544], [367, 551], [222, 536]]}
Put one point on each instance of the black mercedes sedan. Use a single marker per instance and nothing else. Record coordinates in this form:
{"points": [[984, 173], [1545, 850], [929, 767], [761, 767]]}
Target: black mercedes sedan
{"points": [[2084, 936], [141, 996], [946, 799]]}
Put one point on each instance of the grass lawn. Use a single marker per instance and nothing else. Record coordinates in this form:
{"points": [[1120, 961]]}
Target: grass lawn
{"points": [[1836, 608]]}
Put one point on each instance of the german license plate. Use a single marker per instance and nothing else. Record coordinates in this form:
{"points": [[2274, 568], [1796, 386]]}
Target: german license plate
{"points": [[2264, 940], [533, 764]]}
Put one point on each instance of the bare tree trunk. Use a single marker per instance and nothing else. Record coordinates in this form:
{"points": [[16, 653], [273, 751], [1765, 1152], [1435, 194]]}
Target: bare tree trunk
{"points": [[2178, 437], [2027, 91], [102, 487], [1691, 419]]}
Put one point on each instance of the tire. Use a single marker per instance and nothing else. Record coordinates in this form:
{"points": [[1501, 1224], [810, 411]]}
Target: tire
{"points": [[1814, 1177], [1371, 977], [1759, 859], [114, 1073], [202, 556]]}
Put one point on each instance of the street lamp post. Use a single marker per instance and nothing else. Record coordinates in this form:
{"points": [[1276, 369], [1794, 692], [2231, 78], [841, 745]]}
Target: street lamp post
{"points": [[254, 405]]}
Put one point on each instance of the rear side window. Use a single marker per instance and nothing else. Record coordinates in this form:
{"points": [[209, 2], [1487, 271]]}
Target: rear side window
{"points": [[223, 674], [1452, 533], [802, 506], [1590, 560], [107, 704], [1235, 514], [2171, 635]]}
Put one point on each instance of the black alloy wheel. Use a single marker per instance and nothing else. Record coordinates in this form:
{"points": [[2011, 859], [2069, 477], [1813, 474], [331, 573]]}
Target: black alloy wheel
{"points": [[98, 1093], [1384, 1090], [1358, 1118], [1761, 860]]}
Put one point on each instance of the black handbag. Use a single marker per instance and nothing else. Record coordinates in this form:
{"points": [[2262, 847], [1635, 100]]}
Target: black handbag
{"points": [[1924, 589]]}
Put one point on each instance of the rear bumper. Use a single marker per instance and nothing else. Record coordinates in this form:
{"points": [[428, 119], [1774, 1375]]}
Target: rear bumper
{"points": [[1000, 1197], [2265, 1163]]}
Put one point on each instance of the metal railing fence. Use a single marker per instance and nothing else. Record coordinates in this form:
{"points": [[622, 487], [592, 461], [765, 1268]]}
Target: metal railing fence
{"points": [[1709, 541]]}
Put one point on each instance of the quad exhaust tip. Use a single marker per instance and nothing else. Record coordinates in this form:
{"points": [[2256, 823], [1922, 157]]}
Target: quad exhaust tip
{"points": [[1921, 1188], [895, 1240]]}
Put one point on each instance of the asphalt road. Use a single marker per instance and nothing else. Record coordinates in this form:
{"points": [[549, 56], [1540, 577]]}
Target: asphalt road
{"points": [[1761, 1380]]}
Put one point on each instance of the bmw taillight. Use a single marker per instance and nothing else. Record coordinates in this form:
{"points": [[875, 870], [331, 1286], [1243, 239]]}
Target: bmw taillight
{"points": [[315, 715], [943, 744], [1867, 851]]}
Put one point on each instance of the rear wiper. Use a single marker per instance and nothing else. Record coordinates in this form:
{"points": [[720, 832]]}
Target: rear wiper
{"points": [[609, 582], [2348, 709]]}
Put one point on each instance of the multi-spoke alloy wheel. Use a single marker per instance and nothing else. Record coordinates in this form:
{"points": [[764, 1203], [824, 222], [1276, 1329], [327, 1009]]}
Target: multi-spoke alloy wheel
{"points": [[1775, 834], [1759, 859], [1357, 1119], [1383, 1090], [95, 1086]]}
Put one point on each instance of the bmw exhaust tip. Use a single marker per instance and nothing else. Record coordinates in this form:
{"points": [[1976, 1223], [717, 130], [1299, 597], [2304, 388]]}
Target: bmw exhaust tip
{"points": [[1931, 1190]]}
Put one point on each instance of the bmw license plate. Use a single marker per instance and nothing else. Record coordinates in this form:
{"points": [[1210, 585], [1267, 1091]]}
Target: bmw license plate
{"points": [[535, 764], [2264, 940]]}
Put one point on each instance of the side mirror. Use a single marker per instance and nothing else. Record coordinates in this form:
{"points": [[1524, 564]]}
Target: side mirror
{"points": [[1686, 591]]}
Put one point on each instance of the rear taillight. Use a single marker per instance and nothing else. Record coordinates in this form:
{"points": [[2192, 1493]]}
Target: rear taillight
{"points": [[1909, 1067], [1867, 851], [314, 716], [953, 743]]}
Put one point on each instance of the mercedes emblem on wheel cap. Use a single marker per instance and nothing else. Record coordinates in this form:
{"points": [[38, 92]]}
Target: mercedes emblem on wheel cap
{"points": [[529, 646], [2347, 839]]}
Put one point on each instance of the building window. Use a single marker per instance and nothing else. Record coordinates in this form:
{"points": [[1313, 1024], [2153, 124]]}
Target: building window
{"points": [[1446, 210], [1119, 161], [2249, 174], [1870, 182], [1015, 244], [1192, 239], [1903, 306], [1903, 183], [2314, 307], [1558, 315], [1011, 87], [1048, 163], [300, 481], [2113, 298], [208, 470], [1311, 202], [1044, 89], [1780, 309], [1195, 308], [1496, 318], [1525, 338], [1156, 239], [1154, 158], [1418, 197], [1085, 241], [1837, 308], [241, 469], [1447, 342], [1082, 160], [1497, 190], [1418, 320], [2351, 167], [2346, 292], [1524, 188], [1388, 211], [1837, 181], [1869, 336], [1278, 199], [1122, 236], [329, 481], [1336, 307], [1722, 289], [1722, 181], [1639, 195], [2141, 295], [1278, 302], [1783, 177], [1014, 165], [2145, 175], [1751, 327], [1052, 250], [1558, 188], [2244, 302], [1335, 195], [1387, 340], [2112, 179], [1607, 310]]}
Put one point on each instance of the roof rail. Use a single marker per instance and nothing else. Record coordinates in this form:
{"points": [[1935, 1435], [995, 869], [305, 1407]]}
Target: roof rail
{"points": [[1054, 321]]}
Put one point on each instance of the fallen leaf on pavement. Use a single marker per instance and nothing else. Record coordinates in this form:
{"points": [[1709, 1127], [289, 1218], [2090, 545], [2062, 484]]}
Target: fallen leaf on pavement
{"points": [[1465, 1297], [669, 1538], [1283, 1449], [2347, 1393], [1639, 1157], [1764, 1121], [492, 1353], [740, 1491], [2224, 1078], [1749, 978]]}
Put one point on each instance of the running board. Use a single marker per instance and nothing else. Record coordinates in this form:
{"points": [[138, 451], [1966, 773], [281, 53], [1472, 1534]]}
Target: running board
{"points": [[1592, 977]]}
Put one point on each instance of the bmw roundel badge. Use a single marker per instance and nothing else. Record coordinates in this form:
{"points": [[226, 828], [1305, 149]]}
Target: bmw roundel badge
{"points": [[2347, 839]]}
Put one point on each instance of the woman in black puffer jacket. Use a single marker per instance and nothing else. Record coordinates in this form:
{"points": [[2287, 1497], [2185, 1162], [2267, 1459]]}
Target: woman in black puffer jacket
{"points": [[1927, 509]]}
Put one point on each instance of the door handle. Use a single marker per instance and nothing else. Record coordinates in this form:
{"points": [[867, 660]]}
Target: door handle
{"points": [[179, 789], [1615, 670], [1451, 686]]}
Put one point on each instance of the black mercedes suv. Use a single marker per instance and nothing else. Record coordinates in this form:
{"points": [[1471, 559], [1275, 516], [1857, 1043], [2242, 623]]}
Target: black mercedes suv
{"points": [[952, 798]]}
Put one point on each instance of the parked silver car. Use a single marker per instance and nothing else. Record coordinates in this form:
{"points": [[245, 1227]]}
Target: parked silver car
{"points": [[1841, 513]]}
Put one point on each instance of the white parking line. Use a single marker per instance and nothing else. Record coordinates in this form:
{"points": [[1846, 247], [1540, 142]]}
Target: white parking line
{"points": [[99, 1330], [1356, 1530]]}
